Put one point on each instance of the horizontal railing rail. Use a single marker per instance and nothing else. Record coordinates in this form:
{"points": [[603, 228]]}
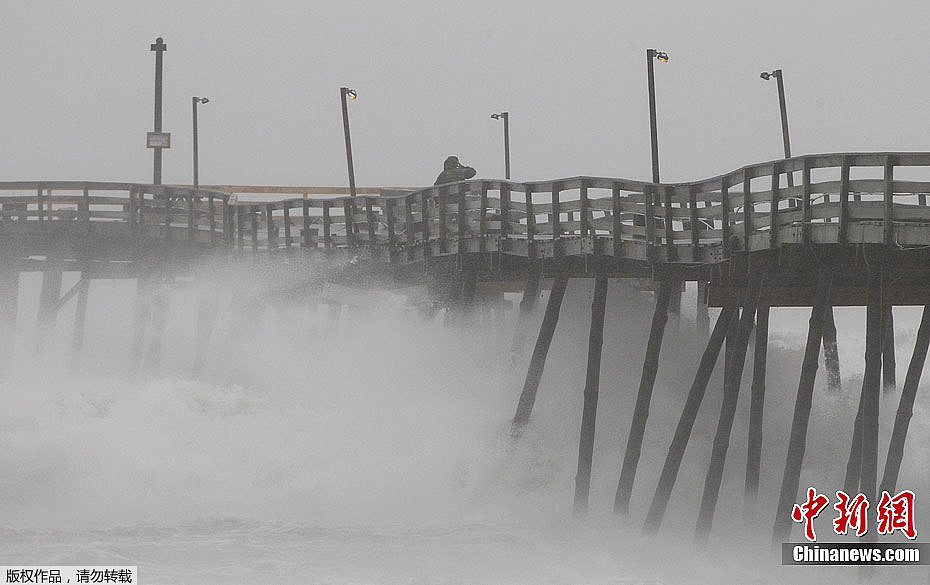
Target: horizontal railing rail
{"points": [[833, 198]]}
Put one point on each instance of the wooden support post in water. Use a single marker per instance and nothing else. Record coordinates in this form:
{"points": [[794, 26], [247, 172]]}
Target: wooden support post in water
{"points": [[634, 444], [48, 303], [676, 450], [702, 317], [9, 292], [160, 305], [143, 317], [469, 284], [527, 305], [871, 386], [731, 387], [207, 308], [591, 386], [889, 382], [757, 405], [538, 361], [906, 405], [80, 316], [802, 411], [831, 357]]}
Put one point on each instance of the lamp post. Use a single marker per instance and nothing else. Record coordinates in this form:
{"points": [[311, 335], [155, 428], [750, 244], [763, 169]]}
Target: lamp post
{"points": [[194, 101], [653, 54], [505, 116], [159, 47], [784, 113], [345, 92]]}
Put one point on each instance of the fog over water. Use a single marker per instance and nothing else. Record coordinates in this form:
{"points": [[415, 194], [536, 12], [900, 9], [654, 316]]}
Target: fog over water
{"points": [[383, 456]]}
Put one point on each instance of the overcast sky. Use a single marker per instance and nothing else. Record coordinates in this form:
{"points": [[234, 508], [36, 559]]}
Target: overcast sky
{"points": [[77, 91]]}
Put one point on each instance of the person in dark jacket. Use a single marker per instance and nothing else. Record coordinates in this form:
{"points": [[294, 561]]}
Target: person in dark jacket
{"points": [[453, 171]]}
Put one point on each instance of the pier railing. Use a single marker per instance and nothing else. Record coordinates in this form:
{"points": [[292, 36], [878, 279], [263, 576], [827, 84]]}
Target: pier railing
{"points": [[817, 199]]}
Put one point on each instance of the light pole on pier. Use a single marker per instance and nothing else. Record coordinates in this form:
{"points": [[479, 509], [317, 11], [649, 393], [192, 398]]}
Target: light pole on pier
{"points": [[653, 54], [505, 116], [345, 92], [776, 74], [194, 102], [159, 47]]}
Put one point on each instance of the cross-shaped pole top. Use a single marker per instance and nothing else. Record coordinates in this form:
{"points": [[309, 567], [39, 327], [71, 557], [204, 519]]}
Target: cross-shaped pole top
{"points": [[159, 45]]}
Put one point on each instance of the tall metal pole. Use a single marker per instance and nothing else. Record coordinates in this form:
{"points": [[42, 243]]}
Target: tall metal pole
{"points": [[159, 47], [653, 128], [194, 102], [784, 112], [343, 92], [506, 116]]}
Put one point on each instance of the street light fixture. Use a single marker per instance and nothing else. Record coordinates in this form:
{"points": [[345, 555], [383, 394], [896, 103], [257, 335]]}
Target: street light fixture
{"points": [[777, 75], [653, 54], [194, 101], [351, 94], [505, 116]]}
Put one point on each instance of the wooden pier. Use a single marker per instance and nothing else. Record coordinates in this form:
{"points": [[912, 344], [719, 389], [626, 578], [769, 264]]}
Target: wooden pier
{"points": [[846, 229]]}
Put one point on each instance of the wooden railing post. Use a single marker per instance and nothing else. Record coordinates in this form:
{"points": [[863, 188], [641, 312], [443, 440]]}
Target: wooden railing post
{"points": [[806, 200], [889, 202], [725, 214], [696, 225], [843, 236], [191, 218], [584, 214], [327, 229], [670, 251], [616, 225], [409, 225], [372, 224], [556, 215], [748, 226], [530, 221], [648, 196], [387, 205], [424, 212], [287, 225], [461, 220], [483, 217], [307, 240], [348, 211], [505, 210], [773, 210]]}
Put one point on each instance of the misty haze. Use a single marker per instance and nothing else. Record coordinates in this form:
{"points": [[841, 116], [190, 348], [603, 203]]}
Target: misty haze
{"points": [[448, 293]]}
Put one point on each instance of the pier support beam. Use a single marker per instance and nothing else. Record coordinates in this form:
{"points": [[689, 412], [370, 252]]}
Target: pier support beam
{"points": [[702, 316], [591, 387], [160, 306], [207, 308], [143, 317], [676, 450], [831, 357], [797, 441], [527, 305], [731, 387], [48, 304], [9, 292], [906, 405], [757, 406], [80, 317], [538, 360], [634, 444], [889, 382]]}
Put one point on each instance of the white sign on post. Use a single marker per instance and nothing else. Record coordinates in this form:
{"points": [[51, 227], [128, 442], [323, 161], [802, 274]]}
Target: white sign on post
{"points": [[158, 140]]}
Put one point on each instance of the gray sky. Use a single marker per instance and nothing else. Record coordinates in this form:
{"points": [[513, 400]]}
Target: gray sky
{"points": [[78, 85]]}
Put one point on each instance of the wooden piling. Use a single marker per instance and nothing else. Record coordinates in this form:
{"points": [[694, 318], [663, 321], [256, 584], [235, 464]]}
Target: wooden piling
{"points": [[757, 405], [702, 317], [161, 303], [889, 382], [9, 292], [831, 358], [538, 360], [731, 387], [207, 308], [797, 441], [676, 450], [527, 306], [868, 477], [80, 317], [854, 462], [634, 444], [591, 387], [48, 303], [906, 405], [143, 317]]}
